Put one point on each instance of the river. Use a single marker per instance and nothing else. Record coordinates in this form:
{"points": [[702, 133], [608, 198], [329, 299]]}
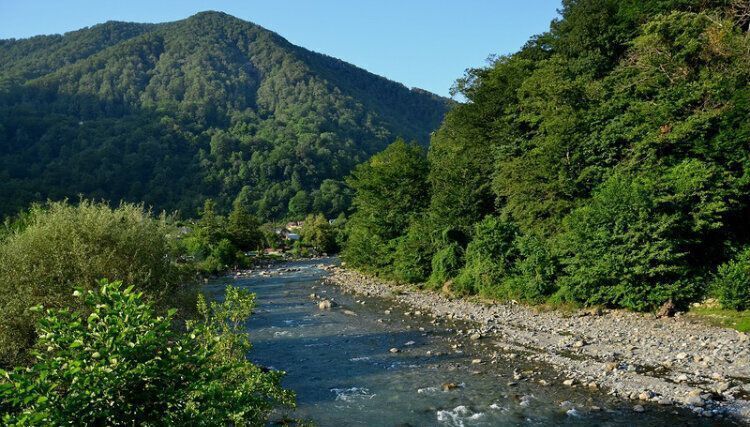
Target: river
{"points": [[340, 365]]}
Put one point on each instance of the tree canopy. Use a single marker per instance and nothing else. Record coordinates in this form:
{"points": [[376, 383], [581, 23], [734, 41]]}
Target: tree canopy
{"points": [[206, 107], [606, 162]]}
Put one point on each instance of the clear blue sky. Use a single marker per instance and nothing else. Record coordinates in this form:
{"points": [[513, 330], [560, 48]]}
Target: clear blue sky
{"points": [[420, 43]]}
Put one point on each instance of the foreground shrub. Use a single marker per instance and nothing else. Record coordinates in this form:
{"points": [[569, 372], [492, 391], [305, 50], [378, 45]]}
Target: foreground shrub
{"points": [[120, 364], [731, 283], [62, 246]]}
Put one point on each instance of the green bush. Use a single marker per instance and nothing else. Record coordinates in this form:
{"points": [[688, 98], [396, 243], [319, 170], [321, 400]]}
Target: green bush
{"points": [[446, 263], [625, 248], [62, 246], [117, 363], [489, 257], [414, 253], [533, 274], [731, 284]]}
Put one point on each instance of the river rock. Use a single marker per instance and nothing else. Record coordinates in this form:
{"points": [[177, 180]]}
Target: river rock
{"points": [[394, 350], [449, 386], [475, 336], [722, 387], [693, 401], [326, 304], [667, 310], [638, 408]]}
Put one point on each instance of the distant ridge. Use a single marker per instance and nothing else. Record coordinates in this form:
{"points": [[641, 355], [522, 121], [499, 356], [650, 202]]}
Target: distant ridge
{"points": [[209, 106]]}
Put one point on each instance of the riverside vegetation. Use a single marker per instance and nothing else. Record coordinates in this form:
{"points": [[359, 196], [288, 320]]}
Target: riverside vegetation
{"points": [[605, 163], [78, 344]]}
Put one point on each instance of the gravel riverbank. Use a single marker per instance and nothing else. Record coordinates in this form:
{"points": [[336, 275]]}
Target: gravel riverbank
{"points": [[665, 361]]}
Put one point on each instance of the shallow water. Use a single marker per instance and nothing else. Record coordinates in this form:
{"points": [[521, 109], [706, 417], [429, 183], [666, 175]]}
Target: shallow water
{"points": [[344, 374]]}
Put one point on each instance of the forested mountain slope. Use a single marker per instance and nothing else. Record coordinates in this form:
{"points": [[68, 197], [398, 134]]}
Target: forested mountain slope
{"points": [[211, 106]]}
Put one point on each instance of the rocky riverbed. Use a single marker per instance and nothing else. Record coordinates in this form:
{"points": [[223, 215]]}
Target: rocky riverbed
{"points": [[652, 361]]}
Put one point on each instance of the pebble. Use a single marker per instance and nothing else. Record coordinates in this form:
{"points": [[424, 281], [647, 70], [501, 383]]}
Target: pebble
{"points": [[449, 386], [394, 350], [694, 401]]}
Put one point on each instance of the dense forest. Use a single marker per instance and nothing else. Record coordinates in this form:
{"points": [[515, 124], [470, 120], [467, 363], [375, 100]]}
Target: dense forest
{"points": [[605, 163], [211, 106]]}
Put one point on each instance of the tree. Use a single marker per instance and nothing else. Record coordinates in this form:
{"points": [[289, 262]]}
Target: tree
{"points": [[389, 190], [244, 229], [319, 233], [299, 205], [210, 224]]}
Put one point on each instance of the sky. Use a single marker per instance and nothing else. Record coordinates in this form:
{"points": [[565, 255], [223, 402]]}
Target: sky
{"points": [[420, 43]]}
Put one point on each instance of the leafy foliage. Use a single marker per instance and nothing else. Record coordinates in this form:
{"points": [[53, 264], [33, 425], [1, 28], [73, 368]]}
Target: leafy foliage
{"points": [[732, 282], [61, 246], [604, 163], [414, 252], [390, 189], [320, 234], [216, 242], [489, 256], [446, 264], [118, 363]]}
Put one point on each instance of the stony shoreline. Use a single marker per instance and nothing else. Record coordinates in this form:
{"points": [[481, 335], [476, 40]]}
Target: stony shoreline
{"points": [[660, 361]]}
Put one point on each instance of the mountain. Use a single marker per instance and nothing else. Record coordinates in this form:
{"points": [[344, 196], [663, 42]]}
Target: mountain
{"points": [[210, 106]]}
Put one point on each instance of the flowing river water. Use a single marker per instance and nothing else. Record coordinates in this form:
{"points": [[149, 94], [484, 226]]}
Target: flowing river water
{"points": [[340, 365]]}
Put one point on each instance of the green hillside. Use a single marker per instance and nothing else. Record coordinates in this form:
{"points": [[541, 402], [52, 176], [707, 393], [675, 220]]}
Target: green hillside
{"points": [[211, 106]]}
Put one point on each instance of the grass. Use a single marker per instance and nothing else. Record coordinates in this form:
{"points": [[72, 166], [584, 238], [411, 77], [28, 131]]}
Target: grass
{"points": [[739, 320]]}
